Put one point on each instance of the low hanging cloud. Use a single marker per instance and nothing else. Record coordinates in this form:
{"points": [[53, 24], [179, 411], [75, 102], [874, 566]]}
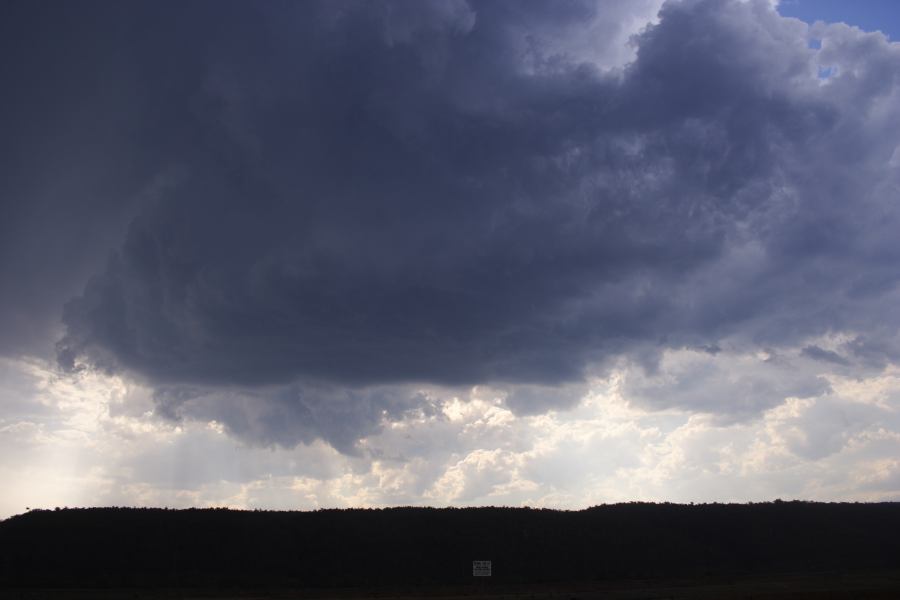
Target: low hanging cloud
{"points": [[731, 387], [362, 199]]}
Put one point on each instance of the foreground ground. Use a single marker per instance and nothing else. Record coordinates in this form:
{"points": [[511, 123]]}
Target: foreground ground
{"points": [[773, 551], [882, 585]]}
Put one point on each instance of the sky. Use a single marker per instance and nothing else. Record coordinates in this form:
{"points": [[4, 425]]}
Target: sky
{"points": [[868, 15], [325, 254]]}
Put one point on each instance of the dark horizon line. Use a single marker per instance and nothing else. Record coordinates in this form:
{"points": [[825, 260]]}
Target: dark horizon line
{"points": [[776, 501]]}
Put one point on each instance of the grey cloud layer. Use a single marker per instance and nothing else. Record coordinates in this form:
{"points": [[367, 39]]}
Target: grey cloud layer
{"points": [[365, 194]]}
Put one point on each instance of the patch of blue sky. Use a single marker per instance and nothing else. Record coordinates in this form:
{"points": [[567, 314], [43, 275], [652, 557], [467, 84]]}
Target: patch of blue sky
{"points": [[868, 15], [826, 72]]}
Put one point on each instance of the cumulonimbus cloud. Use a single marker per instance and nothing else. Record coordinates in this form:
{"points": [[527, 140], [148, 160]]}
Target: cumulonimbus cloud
{"points": [[386, 195]]}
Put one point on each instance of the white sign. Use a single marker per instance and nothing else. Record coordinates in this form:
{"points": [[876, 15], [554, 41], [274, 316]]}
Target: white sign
{"points": [[481, 568]]}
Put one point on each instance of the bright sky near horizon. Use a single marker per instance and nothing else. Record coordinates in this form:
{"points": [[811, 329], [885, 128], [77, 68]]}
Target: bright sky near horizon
{"points": [[406, 252]]}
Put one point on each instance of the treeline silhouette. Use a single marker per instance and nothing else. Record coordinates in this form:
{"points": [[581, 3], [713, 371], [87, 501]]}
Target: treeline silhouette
{"points": [[116, 547]]}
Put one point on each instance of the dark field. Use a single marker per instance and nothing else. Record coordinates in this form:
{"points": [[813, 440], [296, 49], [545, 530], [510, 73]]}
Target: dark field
{"points": [[626, 551], [863, 586]]}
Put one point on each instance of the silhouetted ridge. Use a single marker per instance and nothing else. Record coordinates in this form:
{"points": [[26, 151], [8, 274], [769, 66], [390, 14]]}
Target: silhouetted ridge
{"points": [[416, 546]]}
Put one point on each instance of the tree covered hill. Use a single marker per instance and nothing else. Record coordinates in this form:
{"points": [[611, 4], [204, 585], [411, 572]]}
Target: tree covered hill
{"points": [[117, 547]]}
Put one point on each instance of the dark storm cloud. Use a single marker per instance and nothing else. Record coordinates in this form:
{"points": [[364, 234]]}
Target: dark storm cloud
{"points": [[389, 222], [376, 194]]}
